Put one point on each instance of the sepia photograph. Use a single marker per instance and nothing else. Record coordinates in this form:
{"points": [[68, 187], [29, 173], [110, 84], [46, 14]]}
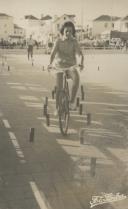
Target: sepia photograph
{"points": [[63, 104]]}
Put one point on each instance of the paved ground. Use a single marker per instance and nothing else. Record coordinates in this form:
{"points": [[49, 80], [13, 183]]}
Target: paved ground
{"points": [[56, 172]]}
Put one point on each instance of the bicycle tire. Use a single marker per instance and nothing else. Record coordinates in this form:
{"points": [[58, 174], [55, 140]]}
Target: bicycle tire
{"points": [[63, 111]]}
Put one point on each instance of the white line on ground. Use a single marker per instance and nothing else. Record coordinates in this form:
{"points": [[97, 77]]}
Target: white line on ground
{"points": [[19, 87], [52, 129], [49, 100], [78, 115], [17, 147], [104, 103], [28, 98], [92, 122], [14, 83], [6, 123], [4, 73], [35, 105], [12, 135], [75, 143], [38, 89], [119, 110], [51, 119], [40, 198], [31, 84], [72, 115], [107, 114]]}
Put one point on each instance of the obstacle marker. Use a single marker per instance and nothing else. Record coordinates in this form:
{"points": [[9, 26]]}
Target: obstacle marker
{"points": [[45, 110], [48, 120], [53, 94], [93, 166], [32, 62], [8, 68], [32, 133], [55, 89], [81, 140], [46, 101], [77, 101], [88, 118], [82, 92], [80, 109], [82, 95], [81, 135], [82, 89]]}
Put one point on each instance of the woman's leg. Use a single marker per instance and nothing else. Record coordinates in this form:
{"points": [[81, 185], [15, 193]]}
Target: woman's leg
{"points": [[74, 75], [59, 86]]}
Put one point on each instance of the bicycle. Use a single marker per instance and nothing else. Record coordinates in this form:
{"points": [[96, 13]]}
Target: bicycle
{"points": [[64, 101]]}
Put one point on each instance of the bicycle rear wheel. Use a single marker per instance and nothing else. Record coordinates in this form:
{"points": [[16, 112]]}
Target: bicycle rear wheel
{"points": [[63, 111]]}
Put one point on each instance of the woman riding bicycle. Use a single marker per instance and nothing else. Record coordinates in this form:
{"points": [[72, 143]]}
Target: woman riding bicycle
{"points": [[65, 50]]}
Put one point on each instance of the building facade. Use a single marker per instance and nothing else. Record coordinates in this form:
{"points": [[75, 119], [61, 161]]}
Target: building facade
{"points": [[58, 21], [18, 35], [122, 24], [102, 24], [6, 26]]}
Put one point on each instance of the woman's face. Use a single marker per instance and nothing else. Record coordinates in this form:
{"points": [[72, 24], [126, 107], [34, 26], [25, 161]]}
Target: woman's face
{"points": [[68, 32]]}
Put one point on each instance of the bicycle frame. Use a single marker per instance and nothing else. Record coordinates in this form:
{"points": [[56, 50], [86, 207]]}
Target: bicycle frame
{"points": [[65, 83], [63, 105], [62, 101]]}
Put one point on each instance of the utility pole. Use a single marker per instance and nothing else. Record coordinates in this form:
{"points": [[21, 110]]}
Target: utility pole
{"points": [[82, 17]]}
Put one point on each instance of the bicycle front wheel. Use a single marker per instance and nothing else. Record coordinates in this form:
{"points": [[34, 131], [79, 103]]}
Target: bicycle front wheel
{"points": [[63, 110]]}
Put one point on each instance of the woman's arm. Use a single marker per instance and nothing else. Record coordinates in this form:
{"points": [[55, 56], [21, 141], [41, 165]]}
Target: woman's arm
{"points": [[80, 53]]}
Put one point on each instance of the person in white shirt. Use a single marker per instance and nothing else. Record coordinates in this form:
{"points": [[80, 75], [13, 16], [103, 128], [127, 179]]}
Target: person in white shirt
{"points": [[30, 45]]}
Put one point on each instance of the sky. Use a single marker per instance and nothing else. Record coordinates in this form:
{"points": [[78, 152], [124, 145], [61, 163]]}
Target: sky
{"points": [[85, 10]]}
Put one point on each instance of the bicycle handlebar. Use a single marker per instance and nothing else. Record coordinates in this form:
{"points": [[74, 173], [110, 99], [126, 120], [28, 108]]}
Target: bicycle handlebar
{"points": [[63, 69]]}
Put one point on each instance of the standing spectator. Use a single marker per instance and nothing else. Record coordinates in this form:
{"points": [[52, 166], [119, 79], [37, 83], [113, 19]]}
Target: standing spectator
{"points": [[126, 45], [2, 43], [30, 45]]}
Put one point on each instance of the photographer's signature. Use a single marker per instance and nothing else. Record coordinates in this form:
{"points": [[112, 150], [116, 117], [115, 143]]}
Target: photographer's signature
{"points": [[106, 198]]}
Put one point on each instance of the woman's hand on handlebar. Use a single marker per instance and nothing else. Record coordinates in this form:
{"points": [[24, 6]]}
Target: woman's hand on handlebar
{"points": [[81, 67], [49, 67]]}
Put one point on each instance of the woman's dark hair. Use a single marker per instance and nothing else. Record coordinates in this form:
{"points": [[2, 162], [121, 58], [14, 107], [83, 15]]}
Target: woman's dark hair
{"points": [[68, 24]]}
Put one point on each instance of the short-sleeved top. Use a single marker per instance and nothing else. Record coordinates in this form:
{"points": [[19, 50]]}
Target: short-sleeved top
{"points": [[30, 42], [66, 50]]}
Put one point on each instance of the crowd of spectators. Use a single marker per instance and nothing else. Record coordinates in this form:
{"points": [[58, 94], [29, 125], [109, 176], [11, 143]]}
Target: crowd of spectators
{"points": [[86, 44], [105, 44], [4, 44]]}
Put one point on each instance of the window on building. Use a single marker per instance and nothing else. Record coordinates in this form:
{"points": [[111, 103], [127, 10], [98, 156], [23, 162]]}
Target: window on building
{"points": [[64, 18], [106, 25]]}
